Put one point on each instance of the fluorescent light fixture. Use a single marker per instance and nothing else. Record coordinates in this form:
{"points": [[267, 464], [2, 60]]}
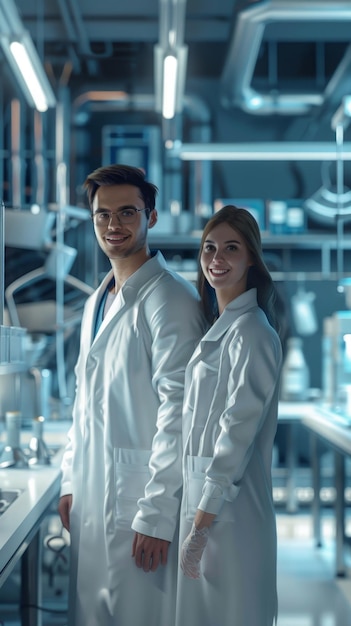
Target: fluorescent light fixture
{"points": [[170, 72], [25, 63], [170, 58], [25, 66], [273, 151]]}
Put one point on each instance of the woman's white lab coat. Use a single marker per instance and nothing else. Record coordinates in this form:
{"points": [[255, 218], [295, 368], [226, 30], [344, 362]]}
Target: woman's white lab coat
{"points": [[229, 421], [123, 460]]}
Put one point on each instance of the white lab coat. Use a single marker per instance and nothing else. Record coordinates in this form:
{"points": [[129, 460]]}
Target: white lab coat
{"points": [[229, 422], [123, 460]]}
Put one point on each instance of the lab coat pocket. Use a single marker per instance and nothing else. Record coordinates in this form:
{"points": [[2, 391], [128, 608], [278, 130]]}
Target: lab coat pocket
{"points": [[131, 476], [194, 482]]}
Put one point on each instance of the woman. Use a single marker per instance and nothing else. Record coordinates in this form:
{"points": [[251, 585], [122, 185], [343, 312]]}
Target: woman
{"points": [[228, 532]]}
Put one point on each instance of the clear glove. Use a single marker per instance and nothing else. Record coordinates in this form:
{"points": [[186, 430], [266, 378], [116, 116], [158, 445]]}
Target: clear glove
{"points": [[192, 550]]}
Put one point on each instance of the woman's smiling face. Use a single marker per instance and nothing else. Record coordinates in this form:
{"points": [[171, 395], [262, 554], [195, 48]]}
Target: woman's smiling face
{"points": [[225, 261]]}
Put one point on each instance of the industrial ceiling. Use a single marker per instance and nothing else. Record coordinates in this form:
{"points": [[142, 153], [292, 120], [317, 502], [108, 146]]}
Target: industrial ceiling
{"points": [[266, 56], [269, 71]]}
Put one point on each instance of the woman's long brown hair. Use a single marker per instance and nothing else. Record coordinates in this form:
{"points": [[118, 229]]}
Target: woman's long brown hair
{"points": [[245, 224]]}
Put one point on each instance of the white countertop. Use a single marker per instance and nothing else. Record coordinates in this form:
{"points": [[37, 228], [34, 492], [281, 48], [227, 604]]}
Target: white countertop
{"points": [[331, 427], [39, 485], [323, 420], [294, 411]]}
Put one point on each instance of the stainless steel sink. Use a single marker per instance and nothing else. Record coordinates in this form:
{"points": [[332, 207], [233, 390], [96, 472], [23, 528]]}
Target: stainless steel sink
{"points": [[7, 497]]}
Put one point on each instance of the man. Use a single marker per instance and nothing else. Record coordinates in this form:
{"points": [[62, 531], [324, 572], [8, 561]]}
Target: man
{"points": [[121, 469]]}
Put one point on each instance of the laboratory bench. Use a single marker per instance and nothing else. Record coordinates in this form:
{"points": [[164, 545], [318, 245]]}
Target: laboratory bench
{"points": [[34, 490], [330, 431], [289, 416]]}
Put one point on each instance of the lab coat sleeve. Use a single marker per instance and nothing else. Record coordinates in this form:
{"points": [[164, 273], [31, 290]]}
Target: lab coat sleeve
{"points": [[255, 360], [176, 325]]}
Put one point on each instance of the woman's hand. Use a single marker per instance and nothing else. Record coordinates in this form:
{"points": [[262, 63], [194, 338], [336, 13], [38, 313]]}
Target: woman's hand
{"points": [[192, 551], [195, 544]]}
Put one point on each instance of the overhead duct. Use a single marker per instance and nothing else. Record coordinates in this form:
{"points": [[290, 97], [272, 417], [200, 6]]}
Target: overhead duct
{"points": [[278, 20]]}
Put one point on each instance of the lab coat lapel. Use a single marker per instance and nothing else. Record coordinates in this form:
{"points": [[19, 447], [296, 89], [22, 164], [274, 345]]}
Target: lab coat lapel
{"points": [[214, 334], [140, 279], [231, 313], [93, 305]]}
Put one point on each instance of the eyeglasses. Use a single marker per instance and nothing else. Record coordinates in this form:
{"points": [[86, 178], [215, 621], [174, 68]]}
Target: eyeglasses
{"points": [[124, 216]]}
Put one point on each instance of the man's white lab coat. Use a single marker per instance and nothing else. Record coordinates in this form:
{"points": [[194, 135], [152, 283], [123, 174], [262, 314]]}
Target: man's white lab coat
{"points": [[123, 460]]}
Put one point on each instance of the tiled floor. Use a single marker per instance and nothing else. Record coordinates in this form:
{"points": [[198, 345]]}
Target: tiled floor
{"points": [[309, 593]]}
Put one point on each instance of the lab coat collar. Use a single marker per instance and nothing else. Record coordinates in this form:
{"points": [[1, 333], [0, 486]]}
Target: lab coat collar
{"points": [[146, 272], [231, 313], [143, 274]]}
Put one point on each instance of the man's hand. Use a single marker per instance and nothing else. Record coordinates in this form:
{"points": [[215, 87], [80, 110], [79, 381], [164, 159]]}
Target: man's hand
{"points": [[149, 552], [64, 508]]}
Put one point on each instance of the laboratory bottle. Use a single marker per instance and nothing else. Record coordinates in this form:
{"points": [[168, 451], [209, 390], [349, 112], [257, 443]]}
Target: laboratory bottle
{"points": [[295, 373]]}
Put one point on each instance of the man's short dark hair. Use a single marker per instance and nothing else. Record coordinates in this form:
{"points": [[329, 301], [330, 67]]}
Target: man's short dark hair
{"points": [[116, 174]]}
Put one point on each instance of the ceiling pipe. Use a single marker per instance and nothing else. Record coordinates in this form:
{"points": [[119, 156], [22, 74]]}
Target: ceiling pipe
{"points": [[77, 33], [40, 195], [101, 100], [260, 151], [66, 18], [17, 152], [340, 83], [248, 35], [82, 36]]}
